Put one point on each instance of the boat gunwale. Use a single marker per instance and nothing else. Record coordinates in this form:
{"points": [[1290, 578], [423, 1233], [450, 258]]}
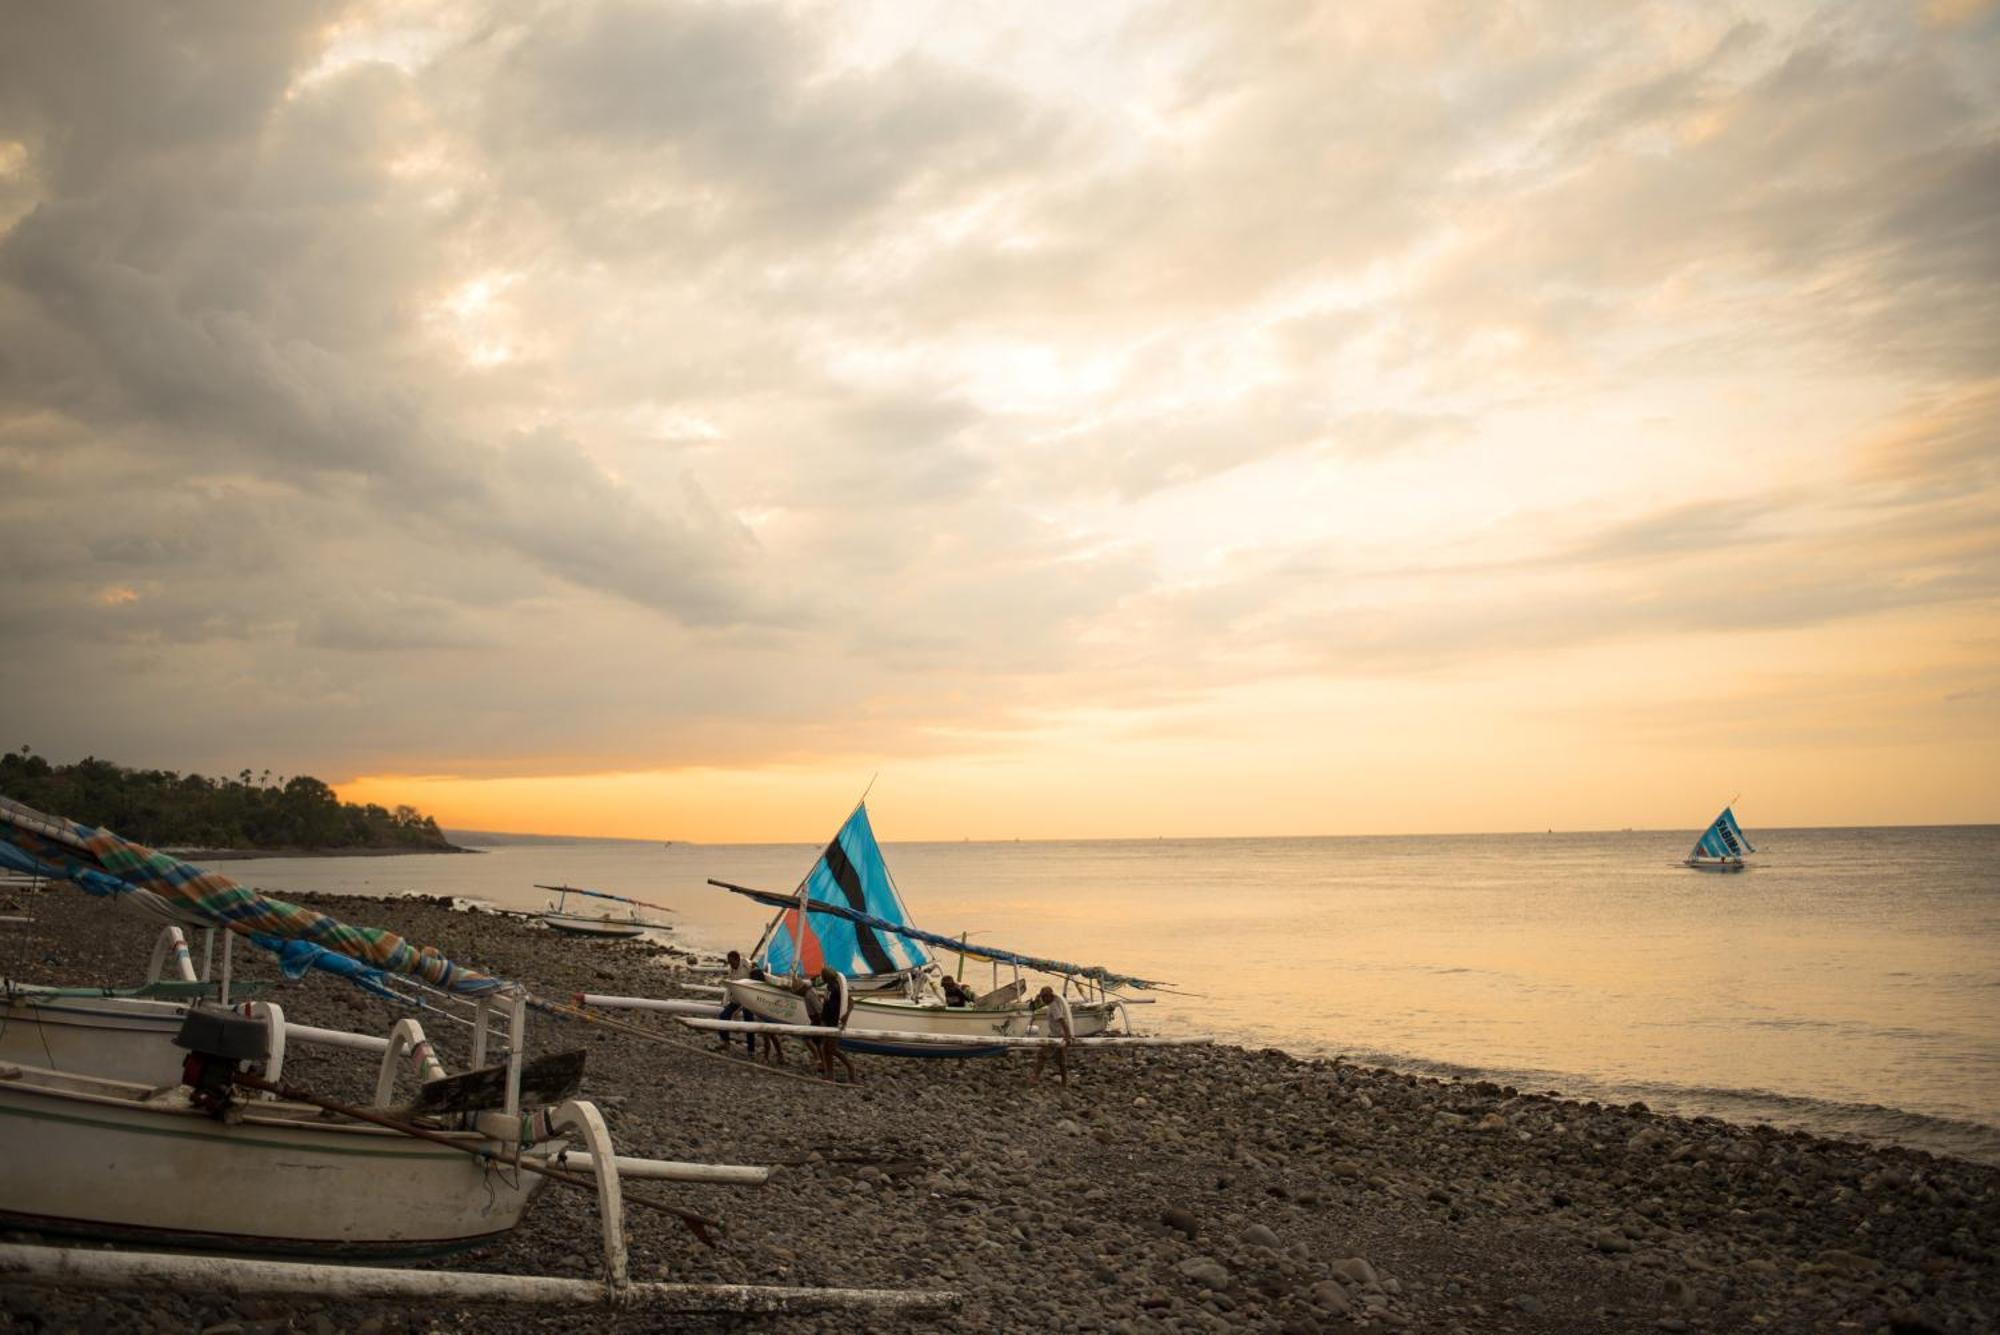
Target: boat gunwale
{"points": [[274, 1115]]}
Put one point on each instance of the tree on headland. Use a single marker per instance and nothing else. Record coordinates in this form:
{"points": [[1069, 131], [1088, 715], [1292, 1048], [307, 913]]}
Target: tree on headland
{"points": [[166, 809]]}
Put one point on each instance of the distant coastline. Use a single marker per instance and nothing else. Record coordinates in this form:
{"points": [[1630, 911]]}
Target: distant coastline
{"points": [[251, 815]]}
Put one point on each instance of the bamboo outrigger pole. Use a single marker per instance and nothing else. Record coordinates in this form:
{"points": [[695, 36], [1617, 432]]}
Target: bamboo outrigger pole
{"points": [[72, 1270], [600, 894], [585, 1016], [944, 1040]]}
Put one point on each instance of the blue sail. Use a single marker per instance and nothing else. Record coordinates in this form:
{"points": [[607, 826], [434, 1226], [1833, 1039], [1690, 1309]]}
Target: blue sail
{"points": [[1723, 839], [1728, 822], [957, 945], [850, 872]]}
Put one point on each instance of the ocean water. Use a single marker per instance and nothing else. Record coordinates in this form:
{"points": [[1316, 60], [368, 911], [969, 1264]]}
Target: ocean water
{"points": [[1848, 984]]}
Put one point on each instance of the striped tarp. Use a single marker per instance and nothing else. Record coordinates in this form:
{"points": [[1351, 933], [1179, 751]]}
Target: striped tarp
{"points": [[101, 863]]}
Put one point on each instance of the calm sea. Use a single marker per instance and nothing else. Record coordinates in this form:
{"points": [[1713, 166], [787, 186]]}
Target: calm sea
{"points": [[1848, 984]]}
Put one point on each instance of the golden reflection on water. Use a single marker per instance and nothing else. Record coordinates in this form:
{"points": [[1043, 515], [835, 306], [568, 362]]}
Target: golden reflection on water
{"points": [[1848, 967]]}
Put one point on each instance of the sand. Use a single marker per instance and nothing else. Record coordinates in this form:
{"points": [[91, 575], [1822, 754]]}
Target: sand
{"points": [[1166, 1189]]}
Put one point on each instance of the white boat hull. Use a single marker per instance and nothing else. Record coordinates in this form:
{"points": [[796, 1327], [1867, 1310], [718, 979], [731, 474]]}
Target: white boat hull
{"points": [[880, 1015], [579, 925], [1713, 864], [96, 1157]]}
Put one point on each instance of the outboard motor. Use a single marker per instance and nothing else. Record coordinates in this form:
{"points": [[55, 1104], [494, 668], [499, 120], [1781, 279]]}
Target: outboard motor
{"points": [[218, 1042]]}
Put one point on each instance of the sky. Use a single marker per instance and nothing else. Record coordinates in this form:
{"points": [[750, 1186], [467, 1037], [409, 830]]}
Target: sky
{"points": [[1104, 420]]}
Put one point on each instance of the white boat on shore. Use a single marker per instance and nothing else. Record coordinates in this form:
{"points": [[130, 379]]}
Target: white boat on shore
{"points": [[848, 915], [126, 1161], [1721, 846], [880, 1016], [606, 924]]}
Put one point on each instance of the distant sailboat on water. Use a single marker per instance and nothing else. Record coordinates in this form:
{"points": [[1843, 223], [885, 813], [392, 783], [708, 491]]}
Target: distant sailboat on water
{"points": [[1721, 846]]}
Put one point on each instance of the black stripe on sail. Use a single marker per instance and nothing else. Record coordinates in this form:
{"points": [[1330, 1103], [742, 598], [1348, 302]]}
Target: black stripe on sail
{"points": [[849, 880]]}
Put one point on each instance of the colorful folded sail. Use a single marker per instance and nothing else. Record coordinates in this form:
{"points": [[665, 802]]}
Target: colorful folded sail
{"points": [[101, 863]]}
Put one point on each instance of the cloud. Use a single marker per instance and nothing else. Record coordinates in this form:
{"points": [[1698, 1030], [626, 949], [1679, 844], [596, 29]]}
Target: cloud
{"points": [[1696, 527], [407, 387]]}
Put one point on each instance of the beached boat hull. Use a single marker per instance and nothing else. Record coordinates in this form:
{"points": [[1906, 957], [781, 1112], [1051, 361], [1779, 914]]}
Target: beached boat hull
{"points": [[1710, 864], [101, 1159], [608, 928], [781, 1005]]}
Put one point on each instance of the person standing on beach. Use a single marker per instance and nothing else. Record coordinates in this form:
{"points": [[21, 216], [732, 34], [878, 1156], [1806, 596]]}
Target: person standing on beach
{"points": [[774, 1047], [833, 1013], [1056, 1023], [737, 969]]}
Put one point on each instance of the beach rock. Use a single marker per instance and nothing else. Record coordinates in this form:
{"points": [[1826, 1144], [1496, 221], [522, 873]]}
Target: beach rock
{"points": [[1846, 1262], [1355, 1270], [1329, 1295], [1259, 1235], [1206, 1271], [1179, 1219]]}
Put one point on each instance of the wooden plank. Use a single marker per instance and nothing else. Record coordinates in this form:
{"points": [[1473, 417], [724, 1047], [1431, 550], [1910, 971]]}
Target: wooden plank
{"points": [[547, 1079]]}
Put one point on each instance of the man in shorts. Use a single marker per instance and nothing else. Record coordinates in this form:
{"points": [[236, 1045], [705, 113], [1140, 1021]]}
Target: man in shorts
{"points": [[1056, 1023]]}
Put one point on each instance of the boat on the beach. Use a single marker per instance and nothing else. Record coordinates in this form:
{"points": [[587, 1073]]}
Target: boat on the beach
{"points": [[1721, 846], [886, 1019], [855, 922], [606, 924], [229, 1160], [125, 1160]]}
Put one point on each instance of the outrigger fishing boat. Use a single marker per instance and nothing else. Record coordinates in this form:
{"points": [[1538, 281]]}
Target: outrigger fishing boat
{"points": [[848, 915], [605, 924], [1721, 846], [228, 1158], [116, 1135]]}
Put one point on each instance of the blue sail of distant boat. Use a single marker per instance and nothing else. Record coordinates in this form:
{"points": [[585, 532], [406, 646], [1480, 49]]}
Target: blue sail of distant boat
{"points": [[850, 872], [1723, 838]]}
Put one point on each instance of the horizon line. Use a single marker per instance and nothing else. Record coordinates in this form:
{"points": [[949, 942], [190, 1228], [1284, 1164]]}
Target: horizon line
{"points": [[1202, 838]]}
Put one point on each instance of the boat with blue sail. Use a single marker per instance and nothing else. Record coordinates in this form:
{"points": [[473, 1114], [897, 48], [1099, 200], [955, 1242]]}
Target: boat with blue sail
{"points": [[1721, 846], [848, 915]]}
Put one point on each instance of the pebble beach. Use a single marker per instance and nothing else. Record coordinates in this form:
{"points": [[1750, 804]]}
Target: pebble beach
{"points": [[1166, 1189]]}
